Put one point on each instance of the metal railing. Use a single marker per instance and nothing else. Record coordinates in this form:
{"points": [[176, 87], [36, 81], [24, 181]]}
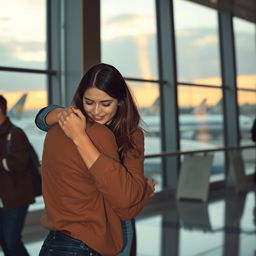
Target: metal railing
{"points": [[192, 152]]}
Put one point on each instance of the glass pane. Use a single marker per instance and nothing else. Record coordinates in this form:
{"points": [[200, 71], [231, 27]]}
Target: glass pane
{"points": [[25, 94], [147, 98], [23, 33], [201, 123], [128, 37], [200, 114], [245, 41], [247, 113], [197, 43]]}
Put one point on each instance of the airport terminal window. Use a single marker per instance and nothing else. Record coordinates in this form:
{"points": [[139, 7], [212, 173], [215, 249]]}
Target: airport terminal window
{"points": [[200, 116], [197, 43], [23, 33], [128, 37], [201, 123], [245, 41], [147, 98], [129, 42]]}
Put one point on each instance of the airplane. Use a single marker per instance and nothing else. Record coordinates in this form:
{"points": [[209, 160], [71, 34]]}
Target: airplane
{"points": [[201, 123], [189, 123]]}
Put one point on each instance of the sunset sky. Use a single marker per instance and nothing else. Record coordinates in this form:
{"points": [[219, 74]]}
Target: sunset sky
{"points": [[23, 44]]}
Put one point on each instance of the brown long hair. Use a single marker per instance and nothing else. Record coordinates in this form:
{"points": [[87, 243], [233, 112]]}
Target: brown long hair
{"points": [[126, 120]]}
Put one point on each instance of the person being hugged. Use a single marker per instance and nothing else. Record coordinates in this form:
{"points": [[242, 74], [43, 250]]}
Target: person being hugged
{"points": [[93, 167]]}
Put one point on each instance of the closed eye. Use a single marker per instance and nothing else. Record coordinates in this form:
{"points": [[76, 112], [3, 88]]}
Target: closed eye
{"points": [[88, 102], [106, 104]]}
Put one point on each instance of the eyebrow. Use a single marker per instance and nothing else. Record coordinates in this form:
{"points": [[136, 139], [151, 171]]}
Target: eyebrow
{"points": [[103, 101]]}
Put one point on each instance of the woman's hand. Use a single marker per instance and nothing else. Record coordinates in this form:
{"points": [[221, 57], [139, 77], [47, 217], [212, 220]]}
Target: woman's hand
{"points": [[151, 184], [72, 122]]}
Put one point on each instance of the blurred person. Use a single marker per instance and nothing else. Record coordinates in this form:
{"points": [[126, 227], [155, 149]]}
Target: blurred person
{"points": [[114, 173], [16, 184]]}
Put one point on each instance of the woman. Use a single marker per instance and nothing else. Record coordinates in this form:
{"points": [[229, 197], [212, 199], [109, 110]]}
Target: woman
{"points": [[103, 97]]}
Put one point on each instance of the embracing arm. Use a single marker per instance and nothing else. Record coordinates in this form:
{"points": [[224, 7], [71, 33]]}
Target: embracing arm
{"points": [[97, 147], [48, 116], [130, 189], [135, 165], [126, 191]]}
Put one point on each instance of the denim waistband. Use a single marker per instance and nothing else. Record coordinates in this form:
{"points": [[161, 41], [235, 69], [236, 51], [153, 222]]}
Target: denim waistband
{"points": [[54, 234]]}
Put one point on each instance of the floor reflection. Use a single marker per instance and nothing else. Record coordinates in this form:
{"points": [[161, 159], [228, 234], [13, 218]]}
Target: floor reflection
{"points": [[191, 228], [220, 227]]}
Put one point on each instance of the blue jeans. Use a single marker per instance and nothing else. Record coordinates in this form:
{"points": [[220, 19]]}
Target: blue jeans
{"points": [[127, 234], [11, 224], [59, 244]]}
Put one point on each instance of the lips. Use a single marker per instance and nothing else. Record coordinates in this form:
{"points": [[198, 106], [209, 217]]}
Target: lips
{"points": [[98, 118]]}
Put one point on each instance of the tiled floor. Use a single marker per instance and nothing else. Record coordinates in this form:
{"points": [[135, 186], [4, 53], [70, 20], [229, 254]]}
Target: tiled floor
{"points": [[221, 227]]}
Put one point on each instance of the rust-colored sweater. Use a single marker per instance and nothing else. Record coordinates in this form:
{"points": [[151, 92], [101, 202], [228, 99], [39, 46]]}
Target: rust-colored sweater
{"points": [[89, 203]]}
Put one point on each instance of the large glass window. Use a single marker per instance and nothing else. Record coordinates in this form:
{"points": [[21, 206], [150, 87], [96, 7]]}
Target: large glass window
{"points": [[129, 42], [23, 33], [201, 123], [197, 43], [245, 41], [128, 37], [147, 98], [200, 115]]}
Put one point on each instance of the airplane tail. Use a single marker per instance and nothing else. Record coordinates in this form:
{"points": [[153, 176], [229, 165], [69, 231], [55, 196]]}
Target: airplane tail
{"points": [[218, 108], [17, 109], [202, 108], [155, 106]]}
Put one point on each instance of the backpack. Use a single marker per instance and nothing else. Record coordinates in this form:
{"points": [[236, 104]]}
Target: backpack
{"points": [[34, 164]]}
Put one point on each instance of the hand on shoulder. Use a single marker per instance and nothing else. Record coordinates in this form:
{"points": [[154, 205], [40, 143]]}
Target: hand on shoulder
{"points": [[72, 122]]}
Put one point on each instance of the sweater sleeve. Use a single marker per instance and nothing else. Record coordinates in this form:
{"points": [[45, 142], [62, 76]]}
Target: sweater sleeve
{"points": [[123, 186], [18, 158], [135, 165], [41, 115]]}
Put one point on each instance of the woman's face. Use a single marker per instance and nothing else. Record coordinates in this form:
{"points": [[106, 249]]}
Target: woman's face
{"points": [[99, 105]]}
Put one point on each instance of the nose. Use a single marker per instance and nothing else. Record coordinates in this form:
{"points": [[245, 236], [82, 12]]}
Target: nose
{"points": [[96, 109]]}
